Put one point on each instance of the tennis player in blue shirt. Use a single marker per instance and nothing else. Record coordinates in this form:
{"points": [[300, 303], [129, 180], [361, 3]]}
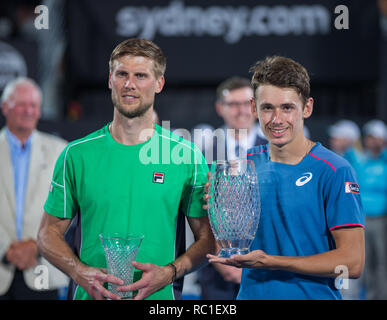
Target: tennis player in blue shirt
{"points": [[312, 227]]}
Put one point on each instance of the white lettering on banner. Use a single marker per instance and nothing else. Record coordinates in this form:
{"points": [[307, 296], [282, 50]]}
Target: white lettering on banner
{"points": [[231, 23]]}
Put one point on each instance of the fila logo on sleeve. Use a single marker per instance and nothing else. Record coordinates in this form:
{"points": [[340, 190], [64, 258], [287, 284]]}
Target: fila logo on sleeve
{"points": [[158, 177], [307, 176]]}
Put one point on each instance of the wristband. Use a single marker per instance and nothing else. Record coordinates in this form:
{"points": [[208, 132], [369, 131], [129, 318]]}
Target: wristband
{"points": [[174, 270]]}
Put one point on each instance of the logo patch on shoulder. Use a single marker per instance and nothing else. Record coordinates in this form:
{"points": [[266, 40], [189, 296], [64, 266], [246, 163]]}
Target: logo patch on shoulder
{"points": [[352, 187], [158, 177]]}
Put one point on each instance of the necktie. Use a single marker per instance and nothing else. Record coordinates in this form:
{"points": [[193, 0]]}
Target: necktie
{"points": [[237, 150]]}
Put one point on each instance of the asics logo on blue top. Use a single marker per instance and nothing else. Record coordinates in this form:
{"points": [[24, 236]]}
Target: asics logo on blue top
{"points": [[307, 176]]}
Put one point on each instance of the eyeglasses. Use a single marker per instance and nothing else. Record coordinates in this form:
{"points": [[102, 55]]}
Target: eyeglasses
{"points": [[234, 104]]}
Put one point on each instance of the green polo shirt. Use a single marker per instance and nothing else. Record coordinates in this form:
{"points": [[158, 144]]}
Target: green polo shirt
{"points": [[145, 188]]}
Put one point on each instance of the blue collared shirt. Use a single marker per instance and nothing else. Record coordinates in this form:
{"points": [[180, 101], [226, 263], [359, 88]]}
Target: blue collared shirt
{"points": [[20, 158]]}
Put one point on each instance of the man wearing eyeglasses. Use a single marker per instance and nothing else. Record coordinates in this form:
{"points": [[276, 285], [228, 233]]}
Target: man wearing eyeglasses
{"points": [[239, 133]]}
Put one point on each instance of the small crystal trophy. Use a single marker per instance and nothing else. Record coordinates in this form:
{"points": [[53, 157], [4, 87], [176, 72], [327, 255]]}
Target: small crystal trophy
{"points": [[120, 252]]}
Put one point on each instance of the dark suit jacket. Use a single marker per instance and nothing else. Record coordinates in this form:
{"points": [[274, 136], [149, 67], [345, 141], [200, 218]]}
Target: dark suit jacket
{"points": [[213, 286]]}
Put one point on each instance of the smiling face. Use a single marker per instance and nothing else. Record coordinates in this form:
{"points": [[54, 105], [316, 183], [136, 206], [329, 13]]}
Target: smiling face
{"points": [[281, 114], [22, 109], [134, 84]]}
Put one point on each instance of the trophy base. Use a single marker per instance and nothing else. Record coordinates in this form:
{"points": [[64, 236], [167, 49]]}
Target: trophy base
{"points": [[234, 246], [228, 252]]}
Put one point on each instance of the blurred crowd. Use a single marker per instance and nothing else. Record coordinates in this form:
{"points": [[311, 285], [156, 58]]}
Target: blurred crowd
{"points": [[366, 151]]}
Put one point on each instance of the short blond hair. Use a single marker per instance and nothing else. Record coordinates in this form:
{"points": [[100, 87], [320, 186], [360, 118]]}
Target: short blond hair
{"points": [[140, 48]]}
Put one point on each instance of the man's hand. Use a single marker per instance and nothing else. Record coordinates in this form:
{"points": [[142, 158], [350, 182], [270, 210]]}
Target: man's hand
{"points": [[22, 254], [349, 251], [253, 259], [229, 273], [92, 280], [153, 279]]}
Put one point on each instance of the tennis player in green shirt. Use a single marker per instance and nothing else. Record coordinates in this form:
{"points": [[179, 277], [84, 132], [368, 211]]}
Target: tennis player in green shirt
{"points": [[131, 176]]}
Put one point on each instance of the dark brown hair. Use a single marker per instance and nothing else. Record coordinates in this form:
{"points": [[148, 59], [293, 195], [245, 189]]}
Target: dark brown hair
{"points": [[281, 72]]}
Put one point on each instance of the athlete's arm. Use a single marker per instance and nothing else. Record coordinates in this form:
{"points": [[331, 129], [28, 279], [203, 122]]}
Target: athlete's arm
{"points": [[156, 277], [54, 248], [204, 243], [349, 253]]}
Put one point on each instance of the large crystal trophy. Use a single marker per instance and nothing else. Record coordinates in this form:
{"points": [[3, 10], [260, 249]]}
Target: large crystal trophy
{"points": [[120, 252], [234, 205]]}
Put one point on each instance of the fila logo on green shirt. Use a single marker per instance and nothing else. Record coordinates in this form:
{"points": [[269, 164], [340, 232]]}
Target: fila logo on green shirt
{"points": [[158, 177]]}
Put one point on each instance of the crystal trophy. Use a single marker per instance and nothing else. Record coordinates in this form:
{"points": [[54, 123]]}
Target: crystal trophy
{"points": [[120, 252], [234, 205]]}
